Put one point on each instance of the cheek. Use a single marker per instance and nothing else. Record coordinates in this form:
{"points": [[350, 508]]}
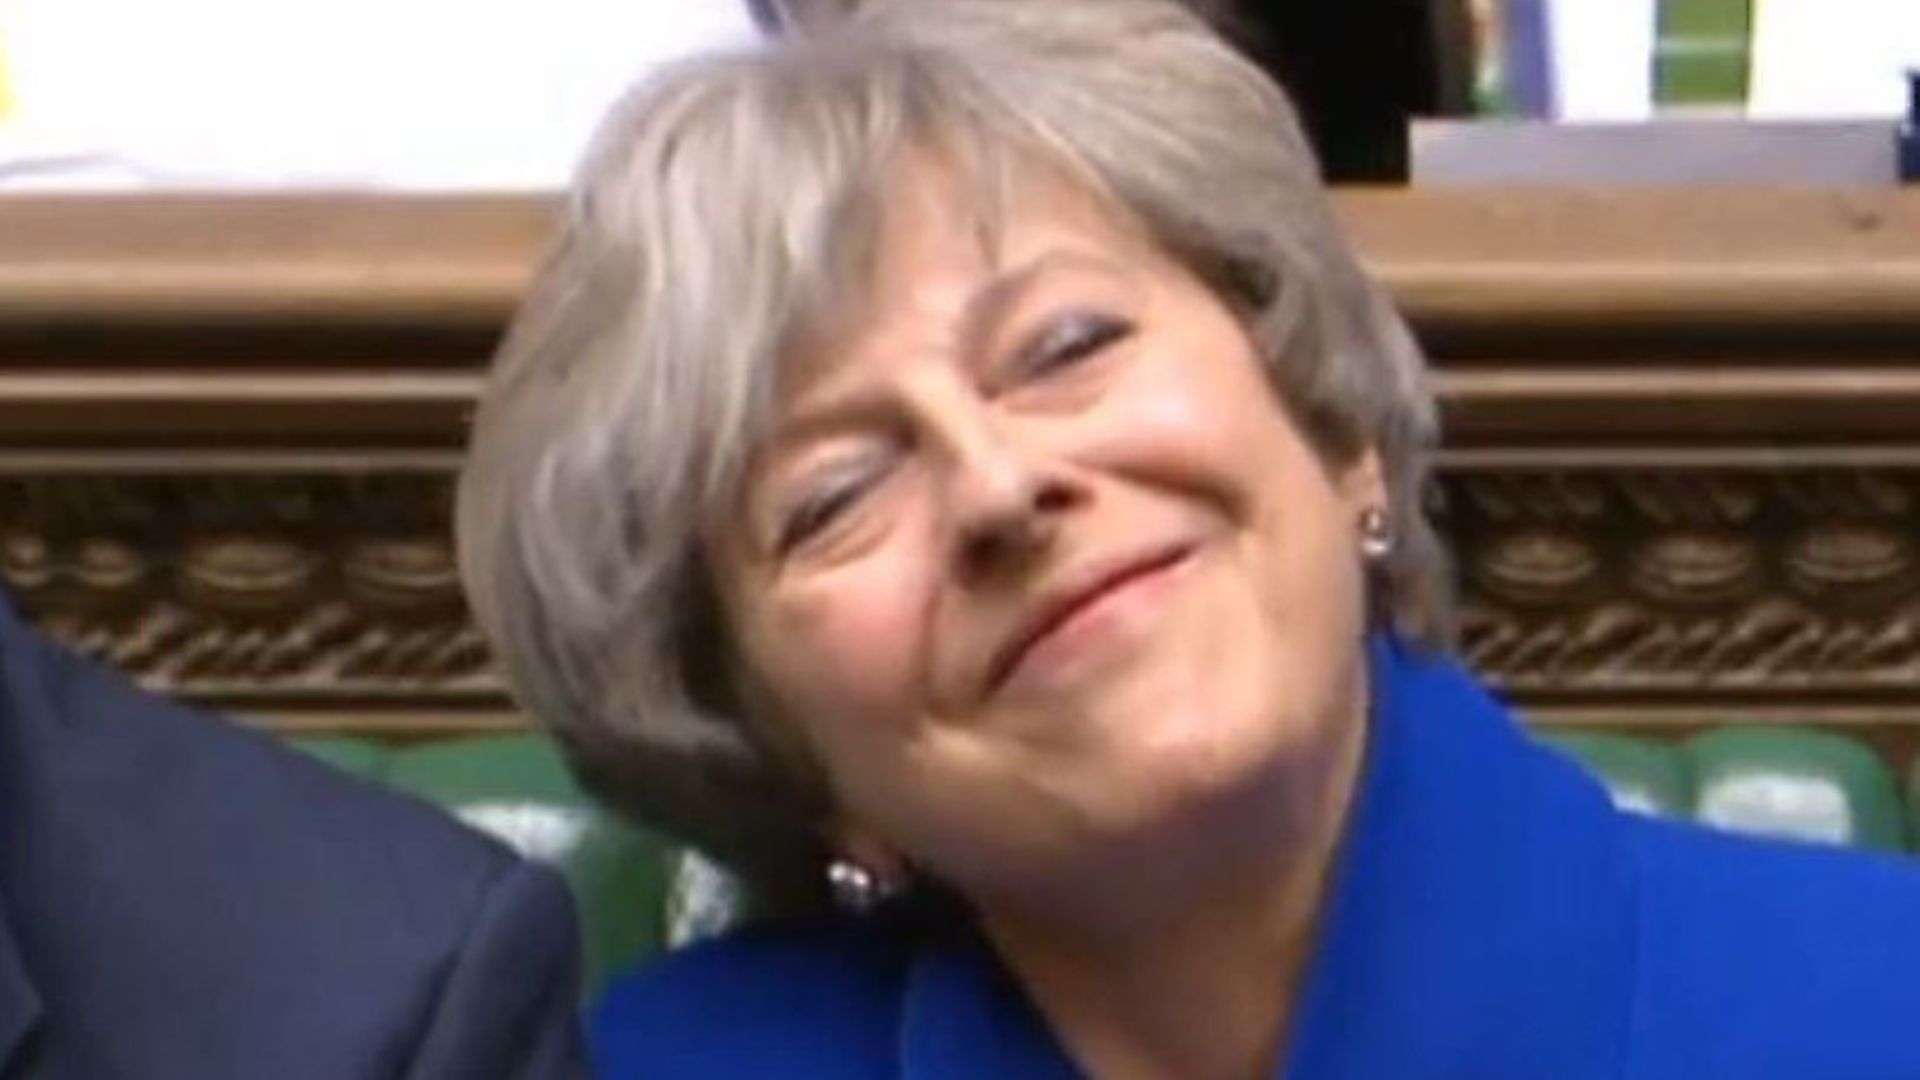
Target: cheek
{"points": [[844, 653], [1184, 422], [1304, 539], [1187, 429]]}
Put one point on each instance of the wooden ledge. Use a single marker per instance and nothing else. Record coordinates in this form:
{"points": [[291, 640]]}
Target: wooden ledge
{"points": [[1469, 260], [227, 259], [1525, 259]]}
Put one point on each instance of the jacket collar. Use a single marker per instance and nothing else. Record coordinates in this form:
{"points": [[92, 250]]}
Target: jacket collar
{"points": [[1480, 921]]}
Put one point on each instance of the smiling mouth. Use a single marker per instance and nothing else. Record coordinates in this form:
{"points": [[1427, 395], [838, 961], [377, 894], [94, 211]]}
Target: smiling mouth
{"points": [[1055, 614]]}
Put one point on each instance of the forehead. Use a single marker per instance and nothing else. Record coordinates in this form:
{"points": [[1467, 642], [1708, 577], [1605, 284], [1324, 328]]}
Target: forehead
{"points": [[939, 237]]}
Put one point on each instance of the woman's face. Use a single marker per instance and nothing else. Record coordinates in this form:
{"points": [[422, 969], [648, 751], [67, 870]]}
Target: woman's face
{"points": [[1034, 564]]}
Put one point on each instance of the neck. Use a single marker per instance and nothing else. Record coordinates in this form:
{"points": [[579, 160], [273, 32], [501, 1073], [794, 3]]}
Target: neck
{"points": [[1187, 973]]}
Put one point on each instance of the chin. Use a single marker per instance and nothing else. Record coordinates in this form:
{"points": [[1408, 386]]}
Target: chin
{"points": [[1217, 751], [1188, 761]]}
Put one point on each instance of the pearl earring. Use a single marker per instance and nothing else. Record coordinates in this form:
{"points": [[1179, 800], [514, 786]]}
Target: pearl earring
{"points": [[856, 889], [1376, 534]]}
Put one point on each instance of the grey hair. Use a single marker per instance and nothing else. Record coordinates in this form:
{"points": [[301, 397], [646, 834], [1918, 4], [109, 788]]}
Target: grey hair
{"points": [[725, 204]]}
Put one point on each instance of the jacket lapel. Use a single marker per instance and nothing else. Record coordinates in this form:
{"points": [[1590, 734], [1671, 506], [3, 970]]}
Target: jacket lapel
{"points": [[1482, 921], [963, 1017]]}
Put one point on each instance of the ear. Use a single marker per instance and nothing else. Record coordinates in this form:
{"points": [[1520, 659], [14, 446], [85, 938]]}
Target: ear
{"points": [[1362, 483]]}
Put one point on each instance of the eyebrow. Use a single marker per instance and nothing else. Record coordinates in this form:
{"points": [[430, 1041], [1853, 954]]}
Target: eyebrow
{"points": [[989, 304], [985, 309]]}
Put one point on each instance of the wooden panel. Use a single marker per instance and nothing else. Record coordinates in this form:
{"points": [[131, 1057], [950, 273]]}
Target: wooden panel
{"points": [[1455, 258], [265, 259], [1682, 475], [1735, 260]]}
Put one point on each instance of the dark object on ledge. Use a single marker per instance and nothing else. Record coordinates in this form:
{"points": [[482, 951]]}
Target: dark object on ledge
{"points": [[1910, 132], [1358, 71]]}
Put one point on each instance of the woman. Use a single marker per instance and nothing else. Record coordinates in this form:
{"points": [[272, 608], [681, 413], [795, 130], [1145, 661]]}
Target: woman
{"points": [[955, 459]]}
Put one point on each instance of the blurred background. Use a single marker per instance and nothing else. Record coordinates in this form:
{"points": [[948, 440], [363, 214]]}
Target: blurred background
{"points": [[433, 94]]}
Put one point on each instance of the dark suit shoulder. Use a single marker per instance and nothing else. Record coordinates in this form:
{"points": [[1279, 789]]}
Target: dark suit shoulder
{"points": [[220, 899], [138, 752], [819, 998], [1763, 958]]}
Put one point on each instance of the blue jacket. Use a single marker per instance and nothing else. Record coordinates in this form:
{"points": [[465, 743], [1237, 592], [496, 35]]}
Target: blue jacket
{"points": [[1492, 916], [180, 898]]}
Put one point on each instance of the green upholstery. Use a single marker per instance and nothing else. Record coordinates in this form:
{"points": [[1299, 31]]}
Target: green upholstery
{"points": [[517, 788], [1641, 775], [637, 894], [1791, 782], [1913, 802], [1796, 782], [346, 753]]}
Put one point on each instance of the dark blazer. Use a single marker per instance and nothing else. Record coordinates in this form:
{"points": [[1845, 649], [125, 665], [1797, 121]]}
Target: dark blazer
{"points": [[1492, 917], [183, 898]]}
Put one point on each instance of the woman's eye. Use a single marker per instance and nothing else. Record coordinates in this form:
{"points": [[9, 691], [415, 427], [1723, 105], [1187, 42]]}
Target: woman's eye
{"points": [[819, 507], [1070, 339]]}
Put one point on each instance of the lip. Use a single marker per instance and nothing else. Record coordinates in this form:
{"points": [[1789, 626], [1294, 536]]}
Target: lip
{"points": [[1059, 605]]}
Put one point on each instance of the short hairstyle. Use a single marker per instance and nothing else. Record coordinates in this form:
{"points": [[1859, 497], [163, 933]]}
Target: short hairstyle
{"points": [[724, 202]]}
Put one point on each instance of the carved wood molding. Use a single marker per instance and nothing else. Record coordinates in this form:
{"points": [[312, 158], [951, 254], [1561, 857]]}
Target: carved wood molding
{"points": [[286, 590], [1588, 583], [1794, 584], [1681, 427]]}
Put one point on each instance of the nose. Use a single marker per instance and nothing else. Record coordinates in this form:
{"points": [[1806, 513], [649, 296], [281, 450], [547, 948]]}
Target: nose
{"points": [[1007, 504]]}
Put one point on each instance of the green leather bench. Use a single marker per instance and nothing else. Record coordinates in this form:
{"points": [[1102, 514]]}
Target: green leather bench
{"points": [[1793, 782], [638, 894]]}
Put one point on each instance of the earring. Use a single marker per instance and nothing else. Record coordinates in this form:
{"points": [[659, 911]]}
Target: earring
{"points": [[1376, 534], [856, 889]]}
